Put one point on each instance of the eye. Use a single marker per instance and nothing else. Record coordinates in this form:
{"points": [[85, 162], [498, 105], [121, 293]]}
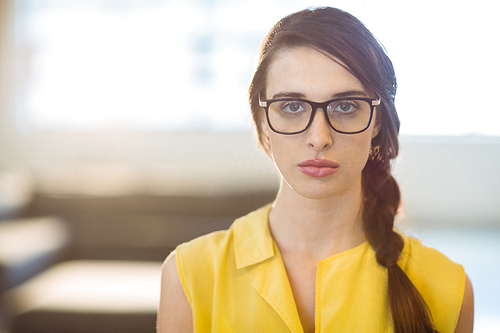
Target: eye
{"points": [[293, 107], [343, 106]]}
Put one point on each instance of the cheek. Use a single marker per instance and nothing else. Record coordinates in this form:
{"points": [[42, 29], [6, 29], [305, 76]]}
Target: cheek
{"points": [[276, 147], [283, 152], [357, 150]]}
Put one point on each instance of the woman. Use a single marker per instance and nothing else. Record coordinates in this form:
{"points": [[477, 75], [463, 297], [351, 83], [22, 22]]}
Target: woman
{"points": [[324, 257]]}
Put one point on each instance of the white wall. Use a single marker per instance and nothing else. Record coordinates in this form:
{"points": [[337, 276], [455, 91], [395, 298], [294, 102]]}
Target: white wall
{"points": [[450, 180], [444, 180]]}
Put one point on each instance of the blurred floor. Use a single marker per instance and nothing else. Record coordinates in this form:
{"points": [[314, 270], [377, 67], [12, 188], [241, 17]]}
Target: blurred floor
{"points": [[478, 250]]}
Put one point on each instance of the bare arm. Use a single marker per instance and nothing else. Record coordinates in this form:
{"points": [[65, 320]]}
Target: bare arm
{"points": [[174, 311], [466, 319]]}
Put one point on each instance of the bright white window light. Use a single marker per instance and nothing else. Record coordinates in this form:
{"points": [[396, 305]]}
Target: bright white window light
{"points": [[170, 65]]}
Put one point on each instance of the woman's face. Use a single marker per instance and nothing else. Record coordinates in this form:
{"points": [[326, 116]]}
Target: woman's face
{"points": [[318, 163]]}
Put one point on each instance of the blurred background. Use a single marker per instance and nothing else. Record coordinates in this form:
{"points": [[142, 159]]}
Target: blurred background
{"points": [[124, 130]]}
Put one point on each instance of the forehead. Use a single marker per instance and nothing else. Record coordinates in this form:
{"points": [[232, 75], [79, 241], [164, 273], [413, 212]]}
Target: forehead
{"points": [[306, 71]]}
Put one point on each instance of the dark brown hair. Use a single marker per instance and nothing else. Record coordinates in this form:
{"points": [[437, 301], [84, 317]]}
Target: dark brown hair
{"points": [[344, 37]]}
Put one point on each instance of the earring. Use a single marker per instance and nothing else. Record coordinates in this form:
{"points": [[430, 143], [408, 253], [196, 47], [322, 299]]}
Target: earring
{"points": [[375, 154]]}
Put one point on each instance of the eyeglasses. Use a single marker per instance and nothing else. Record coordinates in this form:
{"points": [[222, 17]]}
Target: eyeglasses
{"points": [[295, 115]]}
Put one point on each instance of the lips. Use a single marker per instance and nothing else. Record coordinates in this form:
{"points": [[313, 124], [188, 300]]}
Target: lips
{"points": [[318, 168]]}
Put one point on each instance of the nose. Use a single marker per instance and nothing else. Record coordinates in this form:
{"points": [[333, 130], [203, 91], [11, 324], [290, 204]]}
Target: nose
{"points": [[319, 133]]}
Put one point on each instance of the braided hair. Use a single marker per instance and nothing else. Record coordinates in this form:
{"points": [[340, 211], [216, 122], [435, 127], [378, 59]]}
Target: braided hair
{"points": [[344, 37]]}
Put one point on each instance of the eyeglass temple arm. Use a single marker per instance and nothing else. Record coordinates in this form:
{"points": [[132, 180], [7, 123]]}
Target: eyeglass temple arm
{"points": [[374, 102], [262, 103]]}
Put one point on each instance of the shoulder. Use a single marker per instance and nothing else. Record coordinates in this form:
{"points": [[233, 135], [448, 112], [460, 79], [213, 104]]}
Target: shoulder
{"points": [[174, 311], [424, 263], [200, 254], [441, 282], [210, 242], [207, 264], [466, 320], [208, 253], [220, 244]]}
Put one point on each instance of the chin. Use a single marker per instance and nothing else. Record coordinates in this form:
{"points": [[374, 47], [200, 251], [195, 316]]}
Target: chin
{"points": [[319, 196], [316, 192], [323, 188]]}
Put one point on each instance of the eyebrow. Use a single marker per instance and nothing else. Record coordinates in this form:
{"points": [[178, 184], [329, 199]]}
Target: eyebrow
{"points": [[349, 93]]}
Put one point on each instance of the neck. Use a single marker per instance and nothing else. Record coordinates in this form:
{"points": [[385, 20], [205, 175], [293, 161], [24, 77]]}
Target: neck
{"points": [[317, 227]]}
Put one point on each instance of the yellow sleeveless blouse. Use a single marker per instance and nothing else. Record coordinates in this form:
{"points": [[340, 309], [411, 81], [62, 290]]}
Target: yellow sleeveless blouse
{"points": [[235, 281]]}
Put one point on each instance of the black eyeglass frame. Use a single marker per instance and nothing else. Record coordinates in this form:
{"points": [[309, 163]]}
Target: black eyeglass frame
{"points": [[318, 105]]}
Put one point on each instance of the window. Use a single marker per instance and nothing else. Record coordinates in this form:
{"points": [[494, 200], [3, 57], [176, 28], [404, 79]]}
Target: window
{"points": [[164, 65]]}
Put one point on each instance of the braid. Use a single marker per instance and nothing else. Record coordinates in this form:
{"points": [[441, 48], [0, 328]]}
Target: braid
{"points": [[345, 38], [382, 197]]}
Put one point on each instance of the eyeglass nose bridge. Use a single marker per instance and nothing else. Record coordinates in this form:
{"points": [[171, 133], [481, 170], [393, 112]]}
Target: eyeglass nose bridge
{"points": [[324, 107]]}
